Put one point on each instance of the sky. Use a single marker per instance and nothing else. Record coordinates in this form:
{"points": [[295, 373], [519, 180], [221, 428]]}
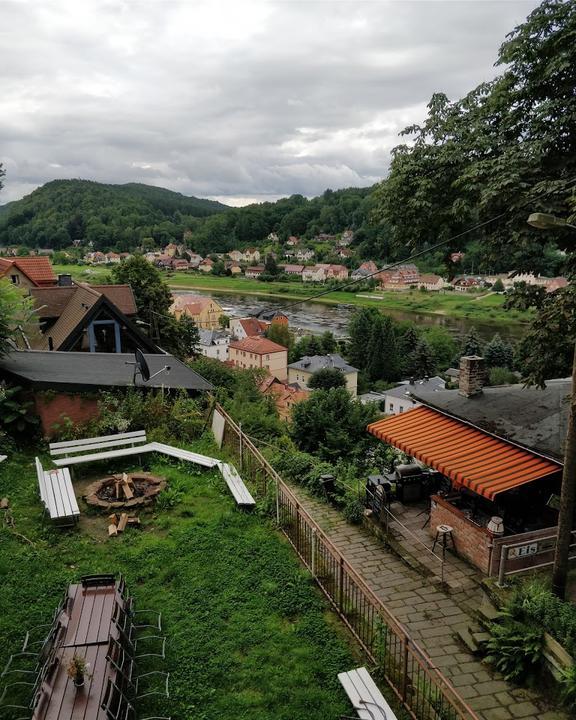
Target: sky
{"points": [[240, 101]]}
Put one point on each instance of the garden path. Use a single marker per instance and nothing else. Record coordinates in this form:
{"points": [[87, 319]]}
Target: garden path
{"points": [[431, 615]]}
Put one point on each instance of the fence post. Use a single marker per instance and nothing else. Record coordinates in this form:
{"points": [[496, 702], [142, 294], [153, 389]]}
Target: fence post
{"points": [[341, 583], [405, 670], [313, 560], [240, 428], [277, 503], [502, 568]]}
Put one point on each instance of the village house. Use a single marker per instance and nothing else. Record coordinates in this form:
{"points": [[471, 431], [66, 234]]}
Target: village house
{"points": [[203, 310], [194, 260], [467, 282], [323, 272], [214, 344], [304, 254], [431, 282], [254, 272], [271, 316], [247, 327], [163, 261], [180, 264], [113, 258], [346, 238], [273, 238], [325, 238], [344, 252], [285, 395], [77, 317], [234, 267], [293, 241], [95, 258], [252, 255], [400, 398], [206, 265], [171, 249], [261, 353], [302, 370], [289, 269], [28, 272], [399, 277], [236, 255], [367, 269]]}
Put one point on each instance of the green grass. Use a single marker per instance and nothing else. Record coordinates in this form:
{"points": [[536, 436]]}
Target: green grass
{"points": [[478, 307], [248, 634]]}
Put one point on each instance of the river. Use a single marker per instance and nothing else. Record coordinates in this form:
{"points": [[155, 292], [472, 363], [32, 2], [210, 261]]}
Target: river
{"points": [[317, 317]]}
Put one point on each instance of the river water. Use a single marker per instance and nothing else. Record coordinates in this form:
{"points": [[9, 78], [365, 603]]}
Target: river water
{"points": [[317, 317]]}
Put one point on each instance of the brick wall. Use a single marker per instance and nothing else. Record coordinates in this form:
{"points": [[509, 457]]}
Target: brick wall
{"points": [[471, 541], [472, 375], [52, 408]]}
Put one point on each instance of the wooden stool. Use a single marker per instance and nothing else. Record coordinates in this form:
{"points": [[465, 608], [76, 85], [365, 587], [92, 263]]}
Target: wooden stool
{"points": [[443, 535]]}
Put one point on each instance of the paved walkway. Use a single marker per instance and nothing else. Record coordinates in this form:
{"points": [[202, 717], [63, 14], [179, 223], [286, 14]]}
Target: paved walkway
{"points": [[431, 615]]}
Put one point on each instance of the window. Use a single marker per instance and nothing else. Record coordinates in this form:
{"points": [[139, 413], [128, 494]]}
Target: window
{"points": [[267, 357], [401, 409], [15, 279], [391, 407]]}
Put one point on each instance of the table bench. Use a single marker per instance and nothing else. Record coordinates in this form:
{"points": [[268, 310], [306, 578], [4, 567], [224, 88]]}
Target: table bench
{"points": [[135, 443], [364, 695], [57, 494]]}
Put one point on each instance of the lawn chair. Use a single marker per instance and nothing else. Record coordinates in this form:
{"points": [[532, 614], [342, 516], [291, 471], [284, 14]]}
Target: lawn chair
{"points": [[156, 624], [128, 639], [124, 663]]}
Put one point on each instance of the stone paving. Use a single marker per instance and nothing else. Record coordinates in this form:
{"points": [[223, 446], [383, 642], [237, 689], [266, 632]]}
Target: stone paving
{"points": [[431, 615]]}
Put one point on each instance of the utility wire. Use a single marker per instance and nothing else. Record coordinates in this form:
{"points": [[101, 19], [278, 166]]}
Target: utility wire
{"points": [[415, 255]]}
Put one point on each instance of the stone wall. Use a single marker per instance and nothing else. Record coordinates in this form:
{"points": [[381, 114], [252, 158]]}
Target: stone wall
{"points": [[52, 408]]}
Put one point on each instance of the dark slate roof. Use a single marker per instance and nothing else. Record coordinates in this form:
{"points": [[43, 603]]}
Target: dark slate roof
{"points": [[531, 417], [433, 384], [84, 371], [312, 363]]}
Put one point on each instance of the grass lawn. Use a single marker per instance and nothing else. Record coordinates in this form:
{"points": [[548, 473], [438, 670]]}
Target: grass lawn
{"points": [[248, 634], [482, 308]]}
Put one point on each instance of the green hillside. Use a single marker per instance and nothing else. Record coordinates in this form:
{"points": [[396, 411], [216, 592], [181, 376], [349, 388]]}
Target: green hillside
{"points": [[120, 216]]}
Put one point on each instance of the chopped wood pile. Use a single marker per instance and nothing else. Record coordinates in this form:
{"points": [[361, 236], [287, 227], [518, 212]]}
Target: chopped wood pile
{"points": [[118, 523]]}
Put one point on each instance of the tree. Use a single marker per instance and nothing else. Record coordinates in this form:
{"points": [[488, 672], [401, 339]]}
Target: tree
{"points": [[496, 353], [498, 286], [333, 425], [224, 321], [406, 345], [2, 174], [509, 143], [472, 344], [360, 330], [270, 265], [328, 342], [423, 359], [14, 310], [180, 337], [152, 294], [279, 333], [382, 358], [327, 378]]}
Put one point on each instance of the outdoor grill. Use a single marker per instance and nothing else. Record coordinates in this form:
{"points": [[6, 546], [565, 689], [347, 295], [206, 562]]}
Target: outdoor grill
{"points": [[406, 484]]}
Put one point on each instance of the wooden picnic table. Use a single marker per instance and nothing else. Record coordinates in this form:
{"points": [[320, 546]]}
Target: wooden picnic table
{"points": [[87, 621]]}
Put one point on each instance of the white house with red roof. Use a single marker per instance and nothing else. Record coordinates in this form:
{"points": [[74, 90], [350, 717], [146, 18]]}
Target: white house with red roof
{"points": [[260, 353]]}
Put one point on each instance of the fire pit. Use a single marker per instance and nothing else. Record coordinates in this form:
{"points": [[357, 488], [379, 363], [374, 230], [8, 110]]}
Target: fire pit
{"points": [[124, 491]]}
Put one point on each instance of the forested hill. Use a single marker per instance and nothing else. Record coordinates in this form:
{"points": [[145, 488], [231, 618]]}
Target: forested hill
{"points": [[123, 217], [119, 216]]}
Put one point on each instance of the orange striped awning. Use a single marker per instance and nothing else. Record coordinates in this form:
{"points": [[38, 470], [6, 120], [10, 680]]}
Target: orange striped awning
{"points": [[468, 456]]}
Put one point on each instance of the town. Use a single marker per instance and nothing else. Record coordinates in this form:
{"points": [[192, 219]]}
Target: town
{"points": [[287, 365]]}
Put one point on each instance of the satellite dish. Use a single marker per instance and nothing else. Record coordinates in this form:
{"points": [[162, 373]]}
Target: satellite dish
{"points": [[142, 365]]}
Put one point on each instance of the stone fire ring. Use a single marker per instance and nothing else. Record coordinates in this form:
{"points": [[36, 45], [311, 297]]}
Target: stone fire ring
{"points": [[151, 484]]}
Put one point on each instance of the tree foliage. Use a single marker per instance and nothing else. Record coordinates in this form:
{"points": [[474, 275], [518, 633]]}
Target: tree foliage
{"points": [[152, 294], [507, 145], [14, 310], [333, 425], [327, 378], [373, 345]]}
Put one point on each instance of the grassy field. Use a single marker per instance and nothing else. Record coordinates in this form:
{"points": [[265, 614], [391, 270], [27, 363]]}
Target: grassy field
{"points": [[487, 307], [248, 634]]}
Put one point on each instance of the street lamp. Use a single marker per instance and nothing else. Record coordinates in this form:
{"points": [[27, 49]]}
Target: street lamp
{"points": [[543, 221]]}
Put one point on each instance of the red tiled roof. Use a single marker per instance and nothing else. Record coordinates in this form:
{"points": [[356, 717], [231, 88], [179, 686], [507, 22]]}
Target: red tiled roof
{"points": [[38, 268], [485, 464], [258, 345], [252, 327]]}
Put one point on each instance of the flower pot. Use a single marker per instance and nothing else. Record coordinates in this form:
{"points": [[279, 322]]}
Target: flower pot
{"points": [[79, 681]]}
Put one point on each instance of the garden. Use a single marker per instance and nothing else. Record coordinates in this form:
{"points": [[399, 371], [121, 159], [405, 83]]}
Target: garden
{"points": [[248, 635]]}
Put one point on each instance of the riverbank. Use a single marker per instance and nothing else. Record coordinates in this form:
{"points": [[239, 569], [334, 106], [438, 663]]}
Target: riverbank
{"points": [[479, 307]]}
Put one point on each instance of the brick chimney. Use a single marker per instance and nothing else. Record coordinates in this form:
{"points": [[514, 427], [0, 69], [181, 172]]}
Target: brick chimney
{"points": [[472, 375]]}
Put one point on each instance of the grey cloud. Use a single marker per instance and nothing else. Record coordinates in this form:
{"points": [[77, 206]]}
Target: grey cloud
{"points": [[231, 99]]}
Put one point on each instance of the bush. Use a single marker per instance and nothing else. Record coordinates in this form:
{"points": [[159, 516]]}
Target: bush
{"points": [[501, 376], [353, 509], [515, 648]]}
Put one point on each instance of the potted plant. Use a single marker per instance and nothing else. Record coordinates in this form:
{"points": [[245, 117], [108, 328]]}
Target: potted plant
{"points": [[78, 670]]}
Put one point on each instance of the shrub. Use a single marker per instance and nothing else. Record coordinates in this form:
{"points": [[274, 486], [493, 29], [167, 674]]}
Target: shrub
{"points": [[501, 376], [515, 648], [568, 686], [353, 509]]}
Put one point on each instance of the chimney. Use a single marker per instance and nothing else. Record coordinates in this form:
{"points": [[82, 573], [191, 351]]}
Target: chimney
{"points": [[64, 280], [471, 376]]}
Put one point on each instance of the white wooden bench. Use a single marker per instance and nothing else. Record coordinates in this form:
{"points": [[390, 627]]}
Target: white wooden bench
{"points": [[236, 485], [135, 443], [130, 443], [3, 457], [367, 700], [57, 494]]}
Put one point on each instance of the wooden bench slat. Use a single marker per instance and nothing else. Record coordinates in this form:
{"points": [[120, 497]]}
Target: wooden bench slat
{"points": [[57, 493], [98, 446], [237, 487], [94, 457], [186, 455], [102, 438], [3, 457]]}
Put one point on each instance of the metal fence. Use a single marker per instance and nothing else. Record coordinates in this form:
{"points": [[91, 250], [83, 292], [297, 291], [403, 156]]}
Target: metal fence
{"points": [[420, 686]]}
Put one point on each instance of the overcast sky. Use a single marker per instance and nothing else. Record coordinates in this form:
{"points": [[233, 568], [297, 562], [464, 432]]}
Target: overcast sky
{"points": [[240, 101]]}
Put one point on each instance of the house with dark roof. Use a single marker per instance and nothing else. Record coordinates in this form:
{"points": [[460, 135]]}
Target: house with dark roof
{"points": [[302, 370], [28, 272], [76, 379], [214, 344], [88, 318], [260, 353], [401, 398]]}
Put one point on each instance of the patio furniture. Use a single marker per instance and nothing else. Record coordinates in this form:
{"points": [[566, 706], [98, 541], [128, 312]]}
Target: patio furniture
{"points": [[364, 695], [118, 707], [443, 536], [134, 443], [57, 494]]}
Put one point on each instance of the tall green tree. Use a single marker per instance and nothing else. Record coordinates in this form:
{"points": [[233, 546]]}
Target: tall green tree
{"points": [[326, 378], [14, 310], [360, 330], [280, 333], [382, 357], [472, 344], [328, 342], [2, 174], [152, 294], [271, 266], [424, 360], [496, 353], [508, 144]]}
